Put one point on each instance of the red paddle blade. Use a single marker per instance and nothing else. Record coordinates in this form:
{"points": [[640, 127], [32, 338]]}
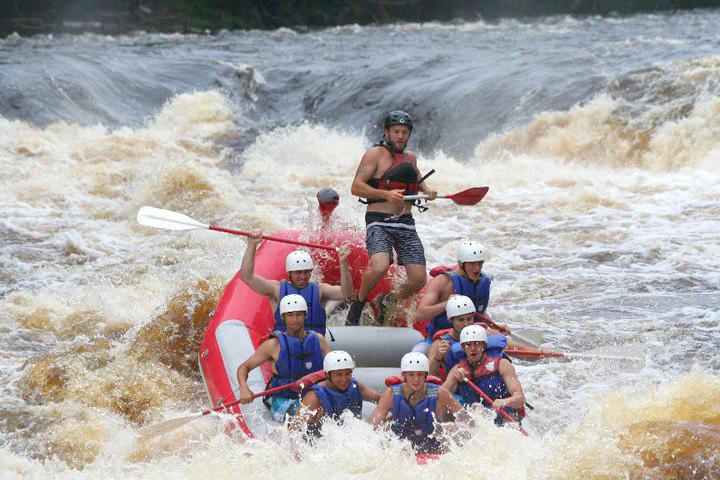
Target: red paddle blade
{"points": [[471, 196]]}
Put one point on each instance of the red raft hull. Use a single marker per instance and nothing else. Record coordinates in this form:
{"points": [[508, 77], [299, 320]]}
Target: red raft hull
{"points": [[242, 319]]}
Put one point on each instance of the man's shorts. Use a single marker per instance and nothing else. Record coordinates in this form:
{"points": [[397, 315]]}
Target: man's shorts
{"points": [[386, 232], [280, 407]]}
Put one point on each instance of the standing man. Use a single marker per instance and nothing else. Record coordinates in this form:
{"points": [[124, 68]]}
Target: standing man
{"points": [[386, 173], [299, 267], [295, 353]]}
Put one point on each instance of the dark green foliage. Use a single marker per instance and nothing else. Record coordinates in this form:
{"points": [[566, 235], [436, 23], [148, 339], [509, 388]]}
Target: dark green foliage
{"points": [[183, 15]]}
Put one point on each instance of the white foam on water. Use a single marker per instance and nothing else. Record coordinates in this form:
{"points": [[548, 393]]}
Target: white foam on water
{"points": [[599, 234]]}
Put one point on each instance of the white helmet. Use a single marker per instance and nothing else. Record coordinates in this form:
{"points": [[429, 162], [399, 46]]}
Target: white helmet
{"points": [[338, 360], [414, 362], [293, 303], [470, 251], [298, 260], [473, 333], [459, 305]]}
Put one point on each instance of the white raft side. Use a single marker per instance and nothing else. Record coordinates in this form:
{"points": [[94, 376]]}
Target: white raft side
{"points": [[374, 346], [374, 377], [235, 347]]}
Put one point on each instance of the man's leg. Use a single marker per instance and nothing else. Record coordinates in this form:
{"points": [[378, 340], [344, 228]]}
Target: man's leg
{"points": [[416, 277], [282, 407], [411, 255], [379, 265], [389, 304], [379, 246]]}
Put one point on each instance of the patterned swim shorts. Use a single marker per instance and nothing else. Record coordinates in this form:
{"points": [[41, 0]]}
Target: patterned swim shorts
{"points": [[386, 232], [282, 407]]}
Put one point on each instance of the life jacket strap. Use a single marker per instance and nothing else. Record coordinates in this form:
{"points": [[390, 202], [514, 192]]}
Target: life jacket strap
{"points": [[301, 355]]}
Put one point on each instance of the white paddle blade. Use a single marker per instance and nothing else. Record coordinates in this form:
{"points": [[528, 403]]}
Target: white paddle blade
{"points": [[531, 338], [167, 220], [592, 356], [151, 431], [627, 349]]}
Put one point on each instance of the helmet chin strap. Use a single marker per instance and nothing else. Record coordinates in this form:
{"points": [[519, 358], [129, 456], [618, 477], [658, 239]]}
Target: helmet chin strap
{"points": [[389, 145], [462, 267]]}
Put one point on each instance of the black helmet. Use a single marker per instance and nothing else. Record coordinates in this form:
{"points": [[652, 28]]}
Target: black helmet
{"points": [[398, 117]]}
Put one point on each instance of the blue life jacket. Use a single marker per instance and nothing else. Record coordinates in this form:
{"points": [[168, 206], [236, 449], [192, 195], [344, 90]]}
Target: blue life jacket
{"points": [[495, 348], [297, 358], [479, 293], [416, 423], [335, 403], [316, 319]]}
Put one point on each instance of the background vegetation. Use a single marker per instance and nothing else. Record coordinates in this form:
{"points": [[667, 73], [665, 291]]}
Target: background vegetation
{"points": [[115, 16]]}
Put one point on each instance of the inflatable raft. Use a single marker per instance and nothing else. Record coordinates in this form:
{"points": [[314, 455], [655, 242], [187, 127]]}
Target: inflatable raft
{"points": [[243, 319]]}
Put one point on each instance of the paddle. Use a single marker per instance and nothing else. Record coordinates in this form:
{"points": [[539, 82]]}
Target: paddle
{"points": [[502, 412], [165, 219], [525, 340], [471, 196], [569, 356], [169, 425], [572, 356]]}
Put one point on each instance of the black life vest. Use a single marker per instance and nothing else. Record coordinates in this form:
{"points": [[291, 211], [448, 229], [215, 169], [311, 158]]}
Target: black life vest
{"points": [[401, 175]]}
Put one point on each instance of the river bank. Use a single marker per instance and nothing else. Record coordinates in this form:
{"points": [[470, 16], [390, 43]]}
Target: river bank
{"points": [[187, 16]]}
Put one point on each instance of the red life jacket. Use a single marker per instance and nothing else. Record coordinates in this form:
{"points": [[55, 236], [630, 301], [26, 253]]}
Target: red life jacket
{"points": [[488, 366], [486, 376], [401, 175], [398, 379], [435, 271]]}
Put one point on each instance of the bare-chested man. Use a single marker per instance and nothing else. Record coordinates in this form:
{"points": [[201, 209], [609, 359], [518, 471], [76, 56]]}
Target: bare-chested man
{"points": [[386, 173]]}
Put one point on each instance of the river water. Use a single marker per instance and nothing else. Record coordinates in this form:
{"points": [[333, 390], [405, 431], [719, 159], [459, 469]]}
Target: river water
{"points": [[599, 139]]}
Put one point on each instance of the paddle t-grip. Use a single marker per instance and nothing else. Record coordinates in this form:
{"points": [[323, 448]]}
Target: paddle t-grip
{"points": [[328, 199]]}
